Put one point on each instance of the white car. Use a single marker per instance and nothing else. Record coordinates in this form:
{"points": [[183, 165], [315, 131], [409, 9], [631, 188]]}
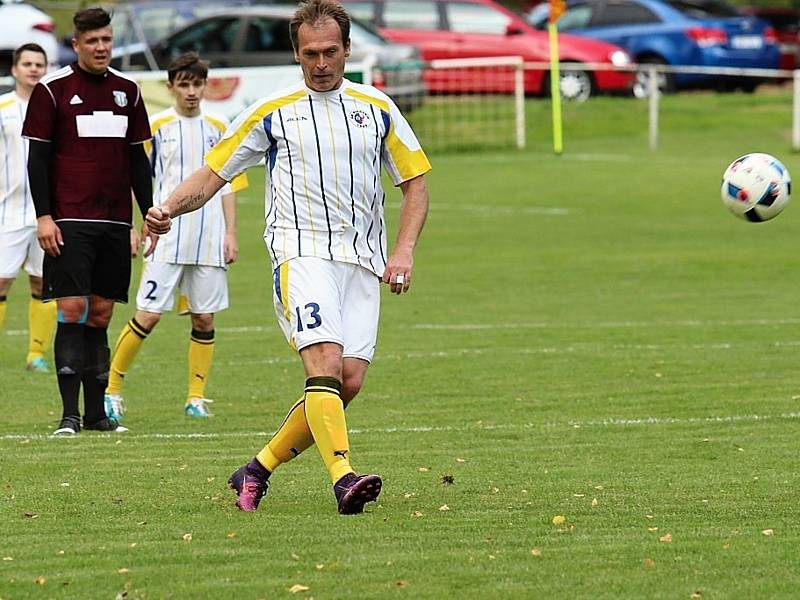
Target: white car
{"points": [[21, 23]]}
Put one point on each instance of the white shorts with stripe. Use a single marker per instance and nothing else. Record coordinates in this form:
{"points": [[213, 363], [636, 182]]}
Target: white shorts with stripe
{"points": [[205, 287], [20, 248], [319, 300]]}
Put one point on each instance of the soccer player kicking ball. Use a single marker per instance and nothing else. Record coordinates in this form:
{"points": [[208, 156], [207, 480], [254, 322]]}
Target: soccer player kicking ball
{"points": [[193, 257], [324, 140], [18, 244]]}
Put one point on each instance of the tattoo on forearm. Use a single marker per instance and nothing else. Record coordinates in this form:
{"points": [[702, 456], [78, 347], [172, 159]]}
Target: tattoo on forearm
{"points": [[192, 201]]}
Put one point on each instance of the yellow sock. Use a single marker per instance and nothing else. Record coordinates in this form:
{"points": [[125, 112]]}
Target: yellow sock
{"points": [[325, 416], [128, 343], [292, 438], [201, 351], [2, 310], [41, 324]]}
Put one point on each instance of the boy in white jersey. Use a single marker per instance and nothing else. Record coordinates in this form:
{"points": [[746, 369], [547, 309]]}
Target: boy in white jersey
{"points": [[19, 246], [193, 257], [324, 141]]}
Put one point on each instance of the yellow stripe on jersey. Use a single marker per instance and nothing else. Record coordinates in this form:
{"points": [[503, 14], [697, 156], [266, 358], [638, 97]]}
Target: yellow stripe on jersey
{"points": [[7, 103], [216, 123], [154, 127], [284, 283], [239, 183], [382, 104], [410, 163], [220, 154]]}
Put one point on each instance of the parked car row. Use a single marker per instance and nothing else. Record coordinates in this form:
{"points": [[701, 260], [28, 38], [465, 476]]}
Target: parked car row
{"points": [[259, 36], [706, 33], [401, 35]]}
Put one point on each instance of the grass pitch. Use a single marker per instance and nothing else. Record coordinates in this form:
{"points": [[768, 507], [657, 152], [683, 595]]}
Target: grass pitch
{"points": [[591, 391]]}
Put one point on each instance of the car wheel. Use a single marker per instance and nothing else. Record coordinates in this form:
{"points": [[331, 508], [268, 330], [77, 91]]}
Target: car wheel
{"points": [[575, 85], [641, 83]]}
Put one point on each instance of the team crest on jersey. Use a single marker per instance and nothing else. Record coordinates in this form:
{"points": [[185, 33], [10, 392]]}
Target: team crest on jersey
{"points": [[120, 98], [360, 118]]}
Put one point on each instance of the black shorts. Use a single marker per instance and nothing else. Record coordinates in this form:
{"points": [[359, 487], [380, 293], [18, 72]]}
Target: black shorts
{"points": [[95, 259]]}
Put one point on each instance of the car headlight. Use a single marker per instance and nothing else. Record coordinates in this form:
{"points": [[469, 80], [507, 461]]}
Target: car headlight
{"points": [[620, 58]]}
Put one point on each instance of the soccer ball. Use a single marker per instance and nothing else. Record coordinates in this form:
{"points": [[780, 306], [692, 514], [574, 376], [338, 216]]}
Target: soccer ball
{"points": [[756, 187]]}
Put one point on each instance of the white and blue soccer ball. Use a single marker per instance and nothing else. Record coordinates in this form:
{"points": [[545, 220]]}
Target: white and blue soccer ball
{"points": [[756, 187]]}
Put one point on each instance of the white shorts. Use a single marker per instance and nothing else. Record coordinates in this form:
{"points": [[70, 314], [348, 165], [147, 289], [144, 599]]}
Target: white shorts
{"points": [[205, 288], [320, 300], [19, 248]]}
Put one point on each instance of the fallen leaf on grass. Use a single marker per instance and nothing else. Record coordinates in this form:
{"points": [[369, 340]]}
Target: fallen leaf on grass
{"points": [[424, 469], [401, 584], [295, 556], [649, 563], [123, 570], [768, 532], [460, 460], [594, 501], [536, 552], [416, 513], [187, 537], [29, 515], [559, 520], [652, 529], [40, 580], [444, 507], [666, 538], [579, 495], [494, 489], [232, 535], [319, 567], [298, 588], [695, 595], [7, 558]]}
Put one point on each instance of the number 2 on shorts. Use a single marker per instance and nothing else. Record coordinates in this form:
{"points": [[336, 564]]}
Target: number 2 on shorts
{"points": [[317, 319], [150, 295]]}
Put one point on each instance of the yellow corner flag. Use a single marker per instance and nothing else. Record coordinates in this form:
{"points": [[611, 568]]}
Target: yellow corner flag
{"points": [[557, 8]]}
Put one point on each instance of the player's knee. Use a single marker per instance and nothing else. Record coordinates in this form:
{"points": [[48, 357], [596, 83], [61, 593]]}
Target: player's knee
{"points": [[203, 322], [36, 286], [350, 388], [73, 310], [147, 320], [5, 286], [100, 311]]}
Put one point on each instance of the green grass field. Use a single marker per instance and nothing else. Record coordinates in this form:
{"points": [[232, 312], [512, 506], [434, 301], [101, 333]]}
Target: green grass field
{"points": [[590, 336]]}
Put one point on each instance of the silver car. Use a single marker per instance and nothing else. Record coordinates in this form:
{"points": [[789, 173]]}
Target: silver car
{"points": [[259, 36]]}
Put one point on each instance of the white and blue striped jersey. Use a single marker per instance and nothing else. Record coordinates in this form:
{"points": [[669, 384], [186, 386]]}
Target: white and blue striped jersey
{"points": [[177, 149], [16, 202], [323, 154]]}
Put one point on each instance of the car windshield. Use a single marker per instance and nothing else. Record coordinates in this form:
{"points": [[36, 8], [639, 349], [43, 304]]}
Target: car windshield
{"points": [[700, 9]]}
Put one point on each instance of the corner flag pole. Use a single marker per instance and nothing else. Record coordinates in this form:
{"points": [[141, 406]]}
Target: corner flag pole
{"points": [[557, 8]]}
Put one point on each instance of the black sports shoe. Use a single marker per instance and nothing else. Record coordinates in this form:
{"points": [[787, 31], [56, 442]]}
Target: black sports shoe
{"points": [[107, 424], [354, 491], [68, 426], [250, 486]]}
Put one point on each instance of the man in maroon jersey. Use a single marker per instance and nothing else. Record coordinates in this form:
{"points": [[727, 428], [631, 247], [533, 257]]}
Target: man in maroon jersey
{"points": [[87, 124]]}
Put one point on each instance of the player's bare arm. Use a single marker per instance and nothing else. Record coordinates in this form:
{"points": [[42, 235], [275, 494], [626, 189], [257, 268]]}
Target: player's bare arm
{"points": [[191, 194], [413, 213], [230, 245]]}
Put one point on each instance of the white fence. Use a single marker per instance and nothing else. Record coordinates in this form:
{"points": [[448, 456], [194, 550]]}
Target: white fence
{"points": [[499, 114]]}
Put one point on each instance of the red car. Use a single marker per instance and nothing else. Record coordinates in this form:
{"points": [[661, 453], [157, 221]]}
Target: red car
{"points": [[483, 28], [786, 23]]}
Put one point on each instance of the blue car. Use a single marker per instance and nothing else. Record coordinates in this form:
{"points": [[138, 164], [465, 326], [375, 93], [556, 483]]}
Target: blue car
{"points": [[707, 33]]}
